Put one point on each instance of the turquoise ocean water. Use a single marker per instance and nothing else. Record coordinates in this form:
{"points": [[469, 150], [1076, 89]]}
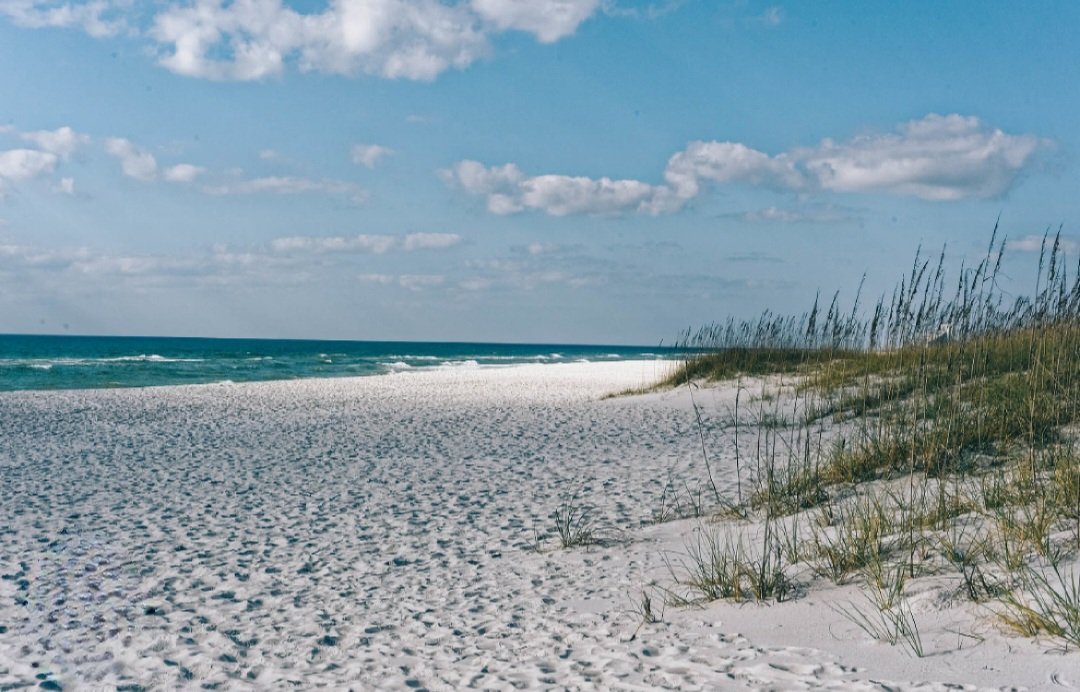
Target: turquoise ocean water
{"points": [[84, 362]]}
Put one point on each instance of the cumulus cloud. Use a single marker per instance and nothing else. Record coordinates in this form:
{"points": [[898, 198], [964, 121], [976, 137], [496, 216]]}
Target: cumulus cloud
{"points": [[98, 18], [140, 164], [508, 191], [21, 164], [364, 243], [182, 173], [728, 162], [410, 39], [134, 162], [548, 20], [254, 39], [369, 154], [560, 195], [63, 142], [939, 158]]}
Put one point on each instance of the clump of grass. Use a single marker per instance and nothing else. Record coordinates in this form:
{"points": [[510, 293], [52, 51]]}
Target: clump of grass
{"points": [[679, 502], [889, 617], [852, 539], [575, 525], [1044, 604], [716, 567], [645, 611]]}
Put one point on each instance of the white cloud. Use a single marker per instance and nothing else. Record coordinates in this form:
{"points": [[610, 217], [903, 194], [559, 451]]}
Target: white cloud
{"points": [[416, 39], [508, 191], [374, 244], [1034, 243], [477, 178], [413, 282], [216, 266], [255, 39], [66, 186], [21, 164], [546, 248], [287, 185], [548, 20], [560, 195], [937, 158], [728, 162], [418, 282], [63, 142], [140, 164], [381, 279], [476, 283], [426, 241], [369, 154], [772, 16], [182, 173], [27, 257], [535, 266], [811, 214], [134, 162], [98, 18]]}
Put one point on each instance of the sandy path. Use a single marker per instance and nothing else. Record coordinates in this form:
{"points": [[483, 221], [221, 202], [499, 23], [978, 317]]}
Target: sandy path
{"points": [[379, 533]]}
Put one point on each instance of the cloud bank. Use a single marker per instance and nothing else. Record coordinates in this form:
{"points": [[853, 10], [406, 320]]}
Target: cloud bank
{"points": [[254, 39], [938, 158], [364, 243]]}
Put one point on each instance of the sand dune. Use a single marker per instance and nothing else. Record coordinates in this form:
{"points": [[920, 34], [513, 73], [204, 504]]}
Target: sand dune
{"points": [[382, 532]]}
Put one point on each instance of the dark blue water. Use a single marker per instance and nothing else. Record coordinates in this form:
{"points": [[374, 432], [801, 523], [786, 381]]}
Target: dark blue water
{"points": [[87, 362]]}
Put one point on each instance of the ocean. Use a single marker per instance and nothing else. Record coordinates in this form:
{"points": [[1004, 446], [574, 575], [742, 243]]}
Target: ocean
{"points": [[30, 362]]}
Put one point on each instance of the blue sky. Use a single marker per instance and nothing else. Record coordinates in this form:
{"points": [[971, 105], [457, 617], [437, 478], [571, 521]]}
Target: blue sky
{"points": [[600, 171]]}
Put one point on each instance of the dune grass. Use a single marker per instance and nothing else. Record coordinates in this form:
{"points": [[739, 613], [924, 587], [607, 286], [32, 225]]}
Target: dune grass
{"points": [[933, 433]]}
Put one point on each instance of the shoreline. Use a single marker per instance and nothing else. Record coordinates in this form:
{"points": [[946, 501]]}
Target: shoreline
{"points": [[383, 531], [391, 369]]}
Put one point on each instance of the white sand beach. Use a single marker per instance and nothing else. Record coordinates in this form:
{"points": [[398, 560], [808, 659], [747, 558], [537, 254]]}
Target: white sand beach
{"points": [[396, 532]]}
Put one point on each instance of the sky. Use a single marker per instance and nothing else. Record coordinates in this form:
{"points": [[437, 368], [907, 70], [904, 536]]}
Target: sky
{"points": [[546, 171]]}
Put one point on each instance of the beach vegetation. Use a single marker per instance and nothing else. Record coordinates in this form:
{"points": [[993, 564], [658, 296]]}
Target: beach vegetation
{"points": [[887, 617], [933, 431]]}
